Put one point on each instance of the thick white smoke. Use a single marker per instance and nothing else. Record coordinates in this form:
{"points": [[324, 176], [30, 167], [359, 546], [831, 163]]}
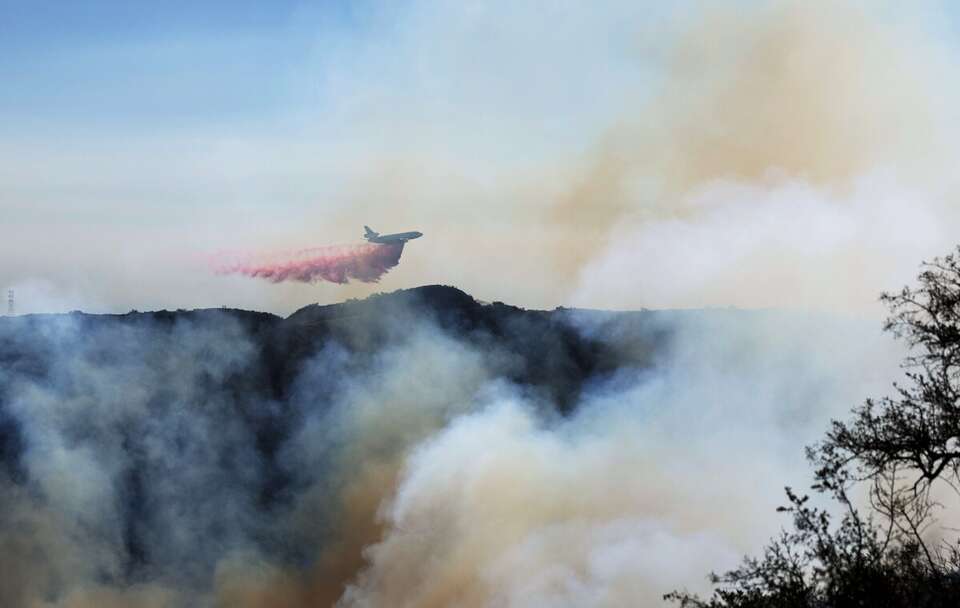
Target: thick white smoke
{"points": [[782, 244], [657, 478]]}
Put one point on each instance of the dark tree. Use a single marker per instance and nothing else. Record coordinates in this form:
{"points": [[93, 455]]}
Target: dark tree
{"points": [[901, 448]]}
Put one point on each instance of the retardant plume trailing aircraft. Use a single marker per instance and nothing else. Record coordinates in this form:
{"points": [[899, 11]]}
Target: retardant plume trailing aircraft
{"points": [[389, 239]]}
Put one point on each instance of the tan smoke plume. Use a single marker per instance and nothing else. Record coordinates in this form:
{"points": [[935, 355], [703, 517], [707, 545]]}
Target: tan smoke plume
{"points": [[820, 93], [766, 96]]}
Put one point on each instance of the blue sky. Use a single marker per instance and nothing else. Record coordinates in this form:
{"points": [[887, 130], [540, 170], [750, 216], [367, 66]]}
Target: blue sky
{"points": [[142, 65], [128, 65], [107, 64]]}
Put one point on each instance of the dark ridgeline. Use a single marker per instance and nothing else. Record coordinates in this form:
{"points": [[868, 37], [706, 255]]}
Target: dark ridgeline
{"points": [[545, 351], [226, 388], [548, 349]]}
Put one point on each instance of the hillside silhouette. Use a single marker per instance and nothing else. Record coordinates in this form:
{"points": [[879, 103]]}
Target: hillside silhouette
{"points": [[152, 450]]}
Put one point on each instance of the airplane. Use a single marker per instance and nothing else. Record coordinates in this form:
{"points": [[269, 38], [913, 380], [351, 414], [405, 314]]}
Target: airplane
{"points": [[389, 239]]}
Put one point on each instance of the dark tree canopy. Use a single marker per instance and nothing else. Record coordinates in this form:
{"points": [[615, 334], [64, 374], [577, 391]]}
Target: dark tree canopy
{"points": [[904, 448]]}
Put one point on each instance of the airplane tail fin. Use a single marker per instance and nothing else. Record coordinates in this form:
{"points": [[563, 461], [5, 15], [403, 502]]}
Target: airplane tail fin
{"points": [[369, 233]]}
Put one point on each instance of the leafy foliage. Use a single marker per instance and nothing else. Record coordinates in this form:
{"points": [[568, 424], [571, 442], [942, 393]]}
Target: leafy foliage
{"points": [[902, 449]]}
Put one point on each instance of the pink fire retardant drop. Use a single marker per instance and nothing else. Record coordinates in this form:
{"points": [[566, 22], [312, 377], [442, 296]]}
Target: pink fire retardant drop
{"points": [[336, 264]]}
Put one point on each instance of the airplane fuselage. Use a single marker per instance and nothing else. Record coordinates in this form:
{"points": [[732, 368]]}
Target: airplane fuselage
{"points": [[390, 239]]}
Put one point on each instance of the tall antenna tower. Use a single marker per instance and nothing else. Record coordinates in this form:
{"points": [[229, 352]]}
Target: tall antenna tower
{"points": [[10, 308]]}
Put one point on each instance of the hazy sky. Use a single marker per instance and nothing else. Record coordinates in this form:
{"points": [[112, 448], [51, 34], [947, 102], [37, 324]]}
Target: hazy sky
{"points": [[605, 154]]}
